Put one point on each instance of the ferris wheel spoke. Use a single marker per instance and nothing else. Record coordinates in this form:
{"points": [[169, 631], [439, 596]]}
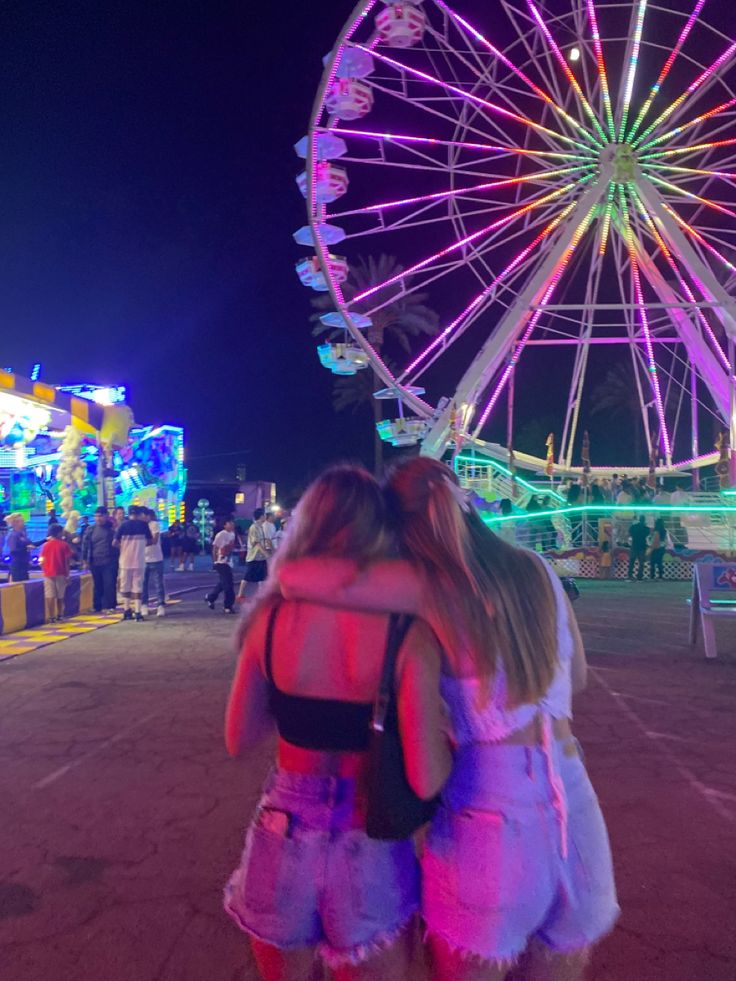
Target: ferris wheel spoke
{"points": [[601, 66], [548, 100], [438, 196], [631, 244], [420, 281], [684, 285], [702, 118], [466, 240], [475, 99], [700, 238], [502, 151], [442, 339], [569, 74], [653, 92], [676, 106], [549, 288], [682, 192]]}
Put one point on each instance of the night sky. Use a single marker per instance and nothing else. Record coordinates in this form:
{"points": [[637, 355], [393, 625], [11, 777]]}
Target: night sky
{"points": [[148, 207], [148, 210]]}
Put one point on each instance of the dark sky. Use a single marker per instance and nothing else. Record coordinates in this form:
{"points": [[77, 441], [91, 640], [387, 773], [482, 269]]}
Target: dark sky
{"points": [[148, 207]]}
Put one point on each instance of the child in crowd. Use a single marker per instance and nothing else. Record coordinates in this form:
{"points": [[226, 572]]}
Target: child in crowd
{"points": [[56, 556]]}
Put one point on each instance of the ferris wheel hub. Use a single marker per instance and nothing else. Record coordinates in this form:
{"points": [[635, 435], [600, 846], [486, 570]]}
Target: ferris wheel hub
{"points": [[623, 157]]}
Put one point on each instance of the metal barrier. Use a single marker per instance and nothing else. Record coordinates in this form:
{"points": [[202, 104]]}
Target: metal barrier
{"points": [[593, 539]]}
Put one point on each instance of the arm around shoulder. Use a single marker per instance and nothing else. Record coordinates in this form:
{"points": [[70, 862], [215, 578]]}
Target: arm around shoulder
{"points": [[427, 755], [391, 585]]}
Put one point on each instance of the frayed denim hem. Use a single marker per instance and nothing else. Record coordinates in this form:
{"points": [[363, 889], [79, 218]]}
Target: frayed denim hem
{"points": [[362, 952], [473, 956]]}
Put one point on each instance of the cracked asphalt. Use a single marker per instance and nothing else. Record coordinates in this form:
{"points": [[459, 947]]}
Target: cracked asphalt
{"points": [[122, 814]]}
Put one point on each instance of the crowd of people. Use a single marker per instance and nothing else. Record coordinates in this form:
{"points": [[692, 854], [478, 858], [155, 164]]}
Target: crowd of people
{"points": [[395, 611]]}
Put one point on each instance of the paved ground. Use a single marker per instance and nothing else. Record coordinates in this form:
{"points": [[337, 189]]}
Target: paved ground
{"points": [[122, 815]]}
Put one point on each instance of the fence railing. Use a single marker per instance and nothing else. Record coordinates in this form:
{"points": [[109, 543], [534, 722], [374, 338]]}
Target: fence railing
{"points": [[697, 527]]}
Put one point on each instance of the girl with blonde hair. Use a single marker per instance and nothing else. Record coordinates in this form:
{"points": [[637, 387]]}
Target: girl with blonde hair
{"points": [[311, 883], [517, 862]]}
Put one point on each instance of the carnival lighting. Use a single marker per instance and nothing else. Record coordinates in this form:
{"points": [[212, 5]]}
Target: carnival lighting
{"points": [[530, 193]]}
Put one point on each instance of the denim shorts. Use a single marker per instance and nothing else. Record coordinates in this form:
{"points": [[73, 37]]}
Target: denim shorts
{"points": [[503, 864], [310, 876]]}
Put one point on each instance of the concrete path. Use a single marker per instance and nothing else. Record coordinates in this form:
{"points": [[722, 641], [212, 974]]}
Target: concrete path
{"points": [[122, 814]]}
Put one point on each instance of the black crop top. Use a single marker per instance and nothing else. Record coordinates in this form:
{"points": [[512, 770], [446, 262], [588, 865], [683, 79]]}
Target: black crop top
{"points": [[325, 724]]}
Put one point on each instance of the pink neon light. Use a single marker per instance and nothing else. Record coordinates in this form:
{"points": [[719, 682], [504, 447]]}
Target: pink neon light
{"points": [[499, 223], [470, 97], [432, 141], [696, 235], [695, 170], [517, 71], [693, 87], [688, 149], [693, 122], [683, 283], [693, 197], [602, 67], [440, 195], [639, 293], [556, 276], [566, 69], [666, 70], [478, 299]]}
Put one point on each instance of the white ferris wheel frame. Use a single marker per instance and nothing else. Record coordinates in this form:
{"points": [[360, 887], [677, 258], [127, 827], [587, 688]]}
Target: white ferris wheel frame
{"points": [[512, 331]]}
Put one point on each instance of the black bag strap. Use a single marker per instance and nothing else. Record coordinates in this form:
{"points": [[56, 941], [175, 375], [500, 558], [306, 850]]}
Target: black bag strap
{"points": [[398, 627], [268, 656]]}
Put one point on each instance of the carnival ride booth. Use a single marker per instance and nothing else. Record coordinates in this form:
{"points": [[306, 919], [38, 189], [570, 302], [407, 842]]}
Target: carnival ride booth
{"points": [[72, 449]]}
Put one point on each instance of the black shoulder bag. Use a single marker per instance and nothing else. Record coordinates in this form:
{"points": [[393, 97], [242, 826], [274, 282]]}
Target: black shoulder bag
{"points": [[395, 812]]}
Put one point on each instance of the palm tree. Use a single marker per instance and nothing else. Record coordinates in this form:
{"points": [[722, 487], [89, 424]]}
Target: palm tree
{"points": [[401, 317], [617, 395]]}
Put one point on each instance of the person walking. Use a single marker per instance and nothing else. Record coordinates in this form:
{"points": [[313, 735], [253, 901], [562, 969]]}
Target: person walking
{"points": [[258, 553], [99, 556], [153, 577], [222, 558], [657, 547], [517, 860], [174, 535], [18, 546], [311, 884], [639, 536], [131, 538], [56, 557]]}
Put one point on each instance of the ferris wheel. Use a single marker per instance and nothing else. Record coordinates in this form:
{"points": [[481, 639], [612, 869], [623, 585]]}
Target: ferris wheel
{"points": [[561, 178]]}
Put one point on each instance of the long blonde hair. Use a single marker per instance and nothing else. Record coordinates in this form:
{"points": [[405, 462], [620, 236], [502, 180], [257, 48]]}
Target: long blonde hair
{"points": [[343, 515], [493, 599]]}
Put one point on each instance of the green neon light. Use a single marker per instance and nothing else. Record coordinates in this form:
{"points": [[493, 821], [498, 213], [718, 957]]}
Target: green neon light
{"points": [[615, 508], [507, 473]]}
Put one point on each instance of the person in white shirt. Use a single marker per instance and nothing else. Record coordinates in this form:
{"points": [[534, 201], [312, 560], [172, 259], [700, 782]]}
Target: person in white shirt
{"points": [[269, 529], [154, 574], [222, 557]]}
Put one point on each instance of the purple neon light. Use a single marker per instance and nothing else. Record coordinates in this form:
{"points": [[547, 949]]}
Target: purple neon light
{"points": [[432, 141], [498, 223], [602, 74], [693, 197], [517, 71], [566, 69], [442, 195], [556, 276], [693, 87], [664, 248], [478, 299], [639, 294], [476, 99], [666, 69], [693, 122]]}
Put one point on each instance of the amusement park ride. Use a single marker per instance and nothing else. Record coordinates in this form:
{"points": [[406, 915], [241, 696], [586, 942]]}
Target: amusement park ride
{"points": [[72, 448], [566, 180]]}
